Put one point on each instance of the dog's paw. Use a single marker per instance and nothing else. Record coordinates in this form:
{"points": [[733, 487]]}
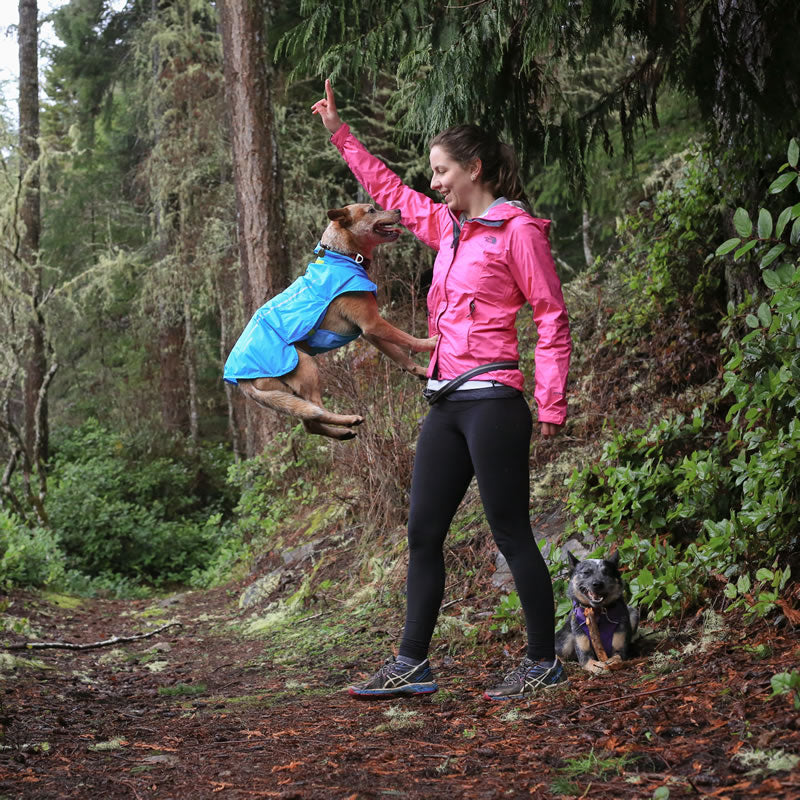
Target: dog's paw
{"points": [[426, 345], [350, 420]]}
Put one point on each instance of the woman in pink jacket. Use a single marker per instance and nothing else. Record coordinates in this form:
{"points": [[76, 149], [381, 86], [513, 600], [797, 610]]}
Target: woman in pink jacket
{"points": [[492, 257]]}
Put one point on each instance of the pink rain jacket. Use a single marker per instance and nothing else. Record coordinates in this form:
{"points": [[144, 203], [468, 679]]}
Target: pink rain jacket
{"points": [[484, 272]]}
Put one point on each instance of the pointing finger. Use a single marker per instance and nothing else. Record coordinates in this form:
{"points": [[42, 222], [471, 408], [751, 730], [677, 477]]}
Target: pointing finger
{"points": [[329, 94]]}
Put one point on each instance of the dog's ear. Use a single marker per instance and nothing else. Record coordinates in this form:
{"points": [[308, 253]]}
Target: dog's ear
{"points": [[340, 215], [573, 562], [614, 558]]}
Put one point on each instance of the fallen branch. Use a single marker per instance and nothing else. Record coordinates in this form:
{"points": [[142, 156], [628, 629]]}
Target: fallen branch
{"points": [[636, 694], [90, 645]]}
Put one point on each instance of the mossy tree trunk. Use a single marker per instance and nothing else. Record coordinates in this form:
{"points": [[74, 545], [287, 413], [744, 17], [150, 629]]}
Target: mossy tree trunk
{"points": [[36, 355], [257, 174]]}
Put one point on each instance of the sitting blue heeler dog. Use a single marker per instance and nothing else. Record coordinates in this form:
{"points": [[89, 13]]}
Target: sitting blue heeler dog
{"points": [[595, 588]]}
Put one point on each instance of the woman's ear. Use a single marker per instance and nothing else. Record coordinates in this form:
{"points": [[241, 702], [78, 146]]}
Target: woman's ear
{"points": [[475, 169]]}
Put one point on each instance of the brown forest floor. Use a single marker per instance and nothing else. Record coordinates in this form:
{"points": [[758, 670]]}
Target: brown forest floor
{"points": [[201, 711]]}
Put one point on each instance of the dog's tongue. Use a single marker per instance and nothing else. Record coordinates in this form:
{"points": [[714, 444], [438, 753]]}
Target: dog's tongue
{"points": [[388, 231], [595, 598]]}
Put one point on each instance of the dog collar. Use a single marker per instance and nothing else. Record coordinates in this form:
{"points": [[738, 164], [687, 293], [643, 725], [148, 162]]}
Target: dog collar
{"points": [[321, 249]]}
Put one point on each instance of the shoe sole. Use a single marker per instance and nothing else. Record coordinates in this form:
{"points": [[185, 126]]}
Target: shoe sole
{"points": [[412, 688], [501, 697]]}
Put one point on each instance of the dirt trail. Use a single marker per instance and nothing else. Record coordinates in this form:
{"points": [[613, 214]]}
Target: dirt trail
{"points": [[203, 711]]}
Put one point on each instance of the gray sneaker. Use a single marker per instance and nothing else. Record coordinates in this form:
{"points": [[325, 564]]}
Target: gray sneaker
{"points": [[527, 679], [395, 678]]}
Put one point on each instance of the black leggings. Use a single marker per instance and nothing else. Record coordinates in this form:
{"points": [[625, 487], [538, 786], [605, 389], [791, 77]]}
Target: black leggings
{"points": [[488, 438]]}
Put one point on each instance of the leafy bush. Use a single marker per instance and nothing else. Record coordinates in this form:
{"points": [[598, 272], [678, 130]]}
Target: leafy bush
{"points": [[277, 480], [28, 557], [664, 249], [120, 509], [690, 503]]}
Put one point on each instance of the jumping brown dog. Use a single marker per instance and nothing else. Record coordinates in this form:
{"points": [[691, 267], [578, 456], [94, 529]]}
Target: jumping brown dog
{"points": [[299, 319]]}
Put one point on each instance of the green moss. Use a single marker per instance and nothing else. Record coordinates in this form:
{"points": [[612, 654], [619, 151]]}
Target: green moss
{"points": [[9, 663], [62, 600], [181, 689]]}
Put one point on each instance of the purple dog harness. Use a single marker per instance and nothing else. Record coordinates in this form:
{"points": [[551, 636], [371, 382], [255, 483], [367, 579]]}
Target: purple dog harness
{"points": [[608, 620]]}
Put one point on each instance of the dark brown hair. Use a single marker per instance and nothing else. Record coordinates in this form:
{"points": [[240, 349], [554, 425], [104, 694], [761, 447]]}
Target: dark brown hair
{"points": [[499, 165]]}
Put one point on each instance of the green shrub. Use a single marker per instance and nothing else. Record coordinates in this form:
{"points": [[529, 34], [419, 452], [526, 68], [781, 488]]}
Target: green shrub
{"points": [[121, 511], [28, 557], [273, 483], [690, 502], [664, 250]]}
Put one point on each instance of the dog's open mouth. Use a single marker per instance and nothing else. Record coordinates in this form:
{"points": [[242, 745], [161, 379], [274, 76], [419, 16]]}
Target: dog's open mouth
{"points": [[387, 230], [595, 599]]}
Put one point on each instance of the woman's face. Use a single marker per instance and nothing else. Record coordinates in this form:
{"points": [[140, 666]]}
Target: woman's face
{"points": [[454, 182]]}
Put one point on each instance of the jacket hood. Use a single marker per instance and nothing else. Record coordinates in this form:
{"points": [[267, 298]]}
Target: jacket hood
{"points": [[508, 209]]}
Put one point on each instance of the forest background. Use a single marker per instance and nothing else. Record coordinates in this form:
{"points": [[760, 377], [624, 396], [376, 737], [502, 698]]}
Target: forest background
{"points": [[661, 138]]}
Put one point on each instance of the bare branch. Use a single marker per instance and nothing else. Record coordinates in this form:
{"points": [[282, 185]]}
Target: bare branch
{"points": [[90, 645]]}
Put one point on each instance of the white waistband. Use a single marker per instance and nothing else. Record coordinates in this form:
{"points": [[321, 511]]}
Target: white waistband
{"points": [[435, 385]]}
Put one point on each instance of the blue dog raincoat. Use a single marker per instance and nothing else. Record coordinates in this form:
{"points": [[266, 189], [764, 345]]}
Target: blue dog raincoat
{"points": [[266, 347]]}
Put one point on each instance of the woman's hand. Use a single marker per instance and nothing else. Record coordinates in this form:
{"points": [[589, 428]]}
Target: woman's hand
{"points": [[326, 109], [550, 429]]}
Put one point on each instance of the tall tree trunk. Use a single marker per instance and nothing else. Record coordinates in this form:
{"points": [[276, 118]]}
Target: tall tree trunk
{"points": [[586, 232], [229, 307], [741, 53], [259, 196], [35, 399], [172, 379], [172, 387], [189, 365]]}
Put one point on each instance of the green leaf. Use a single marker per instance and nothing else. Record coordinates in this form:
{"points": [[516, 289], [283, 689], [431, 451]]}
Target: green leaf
{"points": [[727, 246], [662, 793], [783, 220], [743, 584], [773, 253], [764, 224], [796, 210], [645, 578], [786, 273], [742, 223], [745, 248], [787, 573], [771, 279], [764, 574], [751, 320], [765, 315], [730, 591], [793, 152], [794, 236], [781, 182]]}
